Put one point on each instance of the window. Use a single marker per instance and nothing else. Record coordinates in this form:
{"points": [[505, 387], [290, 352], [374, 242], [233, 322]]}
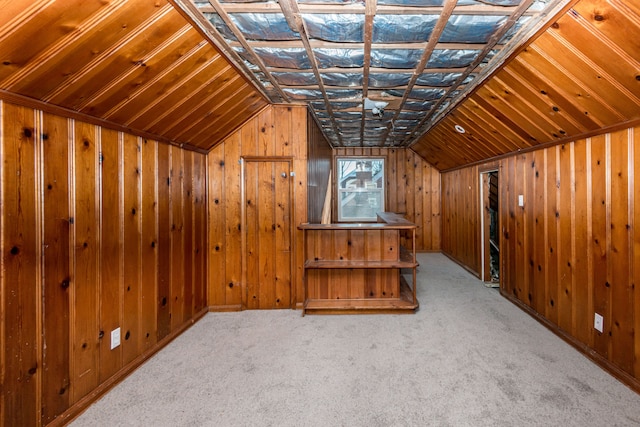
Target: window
{"points": [[360, 188]]}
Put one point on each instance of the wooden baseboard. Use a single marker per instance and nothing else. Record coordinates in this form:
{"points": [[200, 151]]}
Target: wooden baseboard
{"points": [[623, 376], [81, 405], [224, 308]]}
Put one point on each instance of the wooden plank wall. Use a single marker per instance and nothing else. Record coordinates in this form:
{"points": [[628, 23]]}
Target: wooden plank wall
{"points": [[318, 170], [573, 249], [353, 245], [276, 131], [460, 217], [413, 189], [90, 231]]}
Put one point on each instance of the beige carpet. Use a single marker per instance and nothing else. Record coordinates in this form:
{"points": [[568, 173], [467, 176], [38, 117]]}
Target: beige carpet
{"points": [[468, 357]]}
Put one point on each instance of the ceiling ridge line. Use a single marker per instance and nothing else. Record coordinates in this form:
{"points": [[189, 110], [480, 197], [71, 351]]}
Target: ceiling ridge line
{"points": [[79, 74], [370, 13], [424, 60], [292, 16], [62, 43]]}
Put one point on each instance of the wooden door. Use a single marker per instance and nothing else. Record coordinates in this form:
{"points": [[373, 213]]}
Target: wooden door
{"points": [[266, 233]]}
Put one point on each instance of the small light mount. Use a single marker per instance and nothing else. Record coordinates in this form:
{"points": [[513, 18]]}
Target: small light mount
{"points": [[459, 129], [376, 107]]}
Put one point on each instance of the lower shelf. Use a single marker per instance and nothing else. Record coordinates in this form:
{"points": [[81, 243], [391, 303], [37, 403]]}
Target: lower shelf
{"points": [[403, 305]]}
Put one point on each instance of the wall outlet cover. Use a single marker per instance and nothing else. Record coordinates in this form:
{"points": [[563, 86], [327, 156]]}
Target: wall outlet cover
{"points": [[115, 338], [598, 322]]}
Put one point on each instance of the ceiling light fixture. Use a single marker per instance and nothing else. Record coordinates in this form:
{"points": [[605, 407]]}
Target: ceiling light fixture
{"points": [[459, 129]]}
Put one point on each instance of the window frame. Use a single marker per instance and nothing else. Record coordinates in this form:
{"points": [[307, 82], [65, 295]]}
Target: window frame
{"points": [[341, 191]]}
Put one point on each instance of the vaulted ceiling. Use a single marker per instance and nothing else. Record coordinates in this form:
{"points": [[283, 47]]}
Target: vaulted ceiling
{"points": [[457, 81], [374, 72]]}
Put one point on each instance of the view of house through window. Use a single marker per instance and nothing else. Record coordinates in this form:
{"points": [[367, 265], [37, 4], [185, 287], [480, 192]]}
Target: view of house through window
{"points": [[360, 188]]}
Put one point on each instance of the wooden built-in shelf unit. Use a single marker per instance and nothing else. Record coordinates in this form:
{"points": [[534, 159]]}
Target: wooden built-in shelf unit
{"points": [[357, 267]]}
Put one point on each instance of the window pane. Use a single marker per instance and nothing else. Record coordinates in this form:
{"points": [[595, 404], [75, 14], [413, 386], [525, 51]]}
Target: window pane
{"points": [[360, 188]]}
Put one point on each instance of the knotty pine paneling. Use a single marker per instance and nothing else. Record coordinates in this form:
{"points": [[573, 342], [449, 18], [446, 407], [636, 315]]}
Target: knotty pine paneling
{"points": [[86, 230], [578, 77], [461, 217], [412, 189], [320, 156], [276, 131], [141, 65], [573, 249]]}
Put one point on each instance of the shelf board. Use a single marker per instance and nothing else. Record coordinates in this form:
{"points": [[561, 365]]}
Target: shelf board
{"points": [[361, 306], [402, 305], [325, 263]]}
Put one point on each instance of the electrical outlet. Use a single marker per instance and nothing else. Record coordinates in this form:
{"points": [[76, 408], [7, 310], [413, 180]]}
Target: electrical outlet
{"points": [[115, 338], [520, 200], [598, 322]]}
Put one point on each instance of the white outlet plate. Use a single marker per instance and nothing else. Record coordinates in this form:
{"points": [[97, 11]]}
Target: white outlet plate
{"points": [[520, 200], [598, 322], [115, 338]]}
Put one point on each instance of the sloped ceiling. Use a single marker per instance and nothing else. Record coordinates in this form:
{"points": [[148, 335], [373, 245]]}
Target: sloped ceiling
{"points": [[581, 76], [376, 73], [139, 64]]}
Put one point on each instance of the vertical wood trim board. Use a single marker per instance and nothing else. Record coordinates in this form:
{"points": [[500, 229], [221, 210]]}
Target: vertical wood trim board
{"points": [[86, 236], [278, 131], [573, 249]]}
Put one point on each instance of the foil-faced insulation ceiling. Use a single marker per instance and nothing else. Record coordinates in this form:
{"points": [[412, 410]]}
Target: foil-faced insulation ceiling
{"points": [[419, 57]]}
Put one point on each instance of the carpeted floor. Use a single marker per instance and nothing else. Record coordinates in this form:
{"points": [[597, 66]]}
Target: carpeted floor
{"points": [[468, 357]]}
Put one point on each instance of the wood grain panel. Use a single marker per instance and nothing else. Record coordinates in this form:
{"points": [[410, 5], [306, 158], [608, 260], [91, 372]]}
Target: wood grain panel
{"points": [[577, 77], [583, 193], [216, 227], [111, 251], [79, 233], [56, 272], [148, 244], [200, 233], [84, 296], [164, 241], [233, 194], [621, 297], [131, 239], [188, 240], [460, 216], [144, 65], [320, 164], [287, 133], [177, 257], [20, 266]]}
